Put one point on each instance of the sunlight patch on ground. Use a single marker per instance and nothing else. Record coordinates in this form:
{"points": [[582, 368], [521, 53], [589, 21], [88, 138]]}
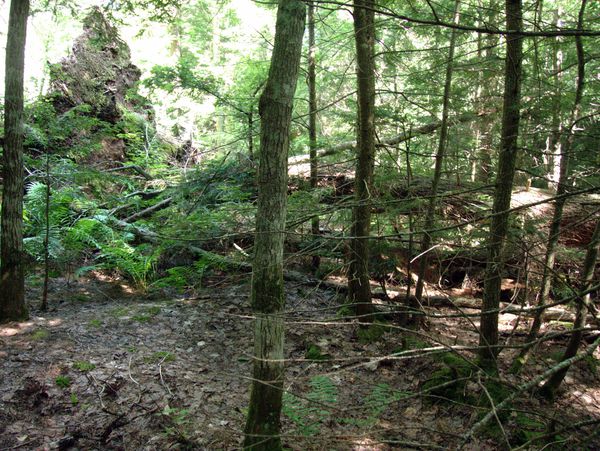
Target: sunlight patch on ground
{"points": [[12, 329], [367, 444]]}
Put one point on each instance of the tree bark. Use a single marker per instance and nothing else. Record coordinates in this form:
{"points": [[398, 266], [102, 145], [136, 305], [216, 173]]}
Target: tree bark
{"points": [[554, 382], [487, 90], [12, 275], [439, 158], [549, 388], [267, 298], [359, 289], [562, 188], [312, 120], [503, 190]]}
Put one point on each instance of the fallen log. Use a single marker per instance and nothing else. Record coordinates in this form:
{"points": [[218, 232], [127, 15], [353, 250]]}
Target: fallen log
{"points": [[148, 211], [390, 141]]}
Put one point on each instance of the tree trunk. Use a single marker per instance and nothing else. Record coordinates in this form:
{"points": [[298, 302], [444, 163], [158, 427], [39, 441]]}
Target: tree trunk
{"points": [[563, 186], [439, 157], [267, 298], [359, 290], [12, 276], [487, 90], [550, 387], [504, 182], [312, 120], [592, 253]]}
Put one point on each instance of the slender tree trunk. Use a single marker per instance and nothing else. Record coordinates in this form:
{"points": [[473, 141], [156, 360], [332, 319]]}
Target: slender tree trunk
{"points": [[312, 120], [488, 82], [563, 186], [439, 159], [549, 388], [504, 182], [44, 305], [251, 135], [268, 299], [12, 275], [553, 148], [359, 289]]}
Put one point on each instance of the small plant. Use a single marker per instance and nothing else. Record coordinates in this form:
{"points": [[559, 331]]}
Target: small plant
{"points": [[141, 318], [160, 356], [376, 403], [592, 363], [147, 317], [410, 342], [119, 312], [95, 323], [74, 399], [177, 424], [80, 297], [83, 366], [63, 381], [154, 310], [344, 311], [40, 334], [310, 412], [314, 353], [449, 382], [372, 333]]}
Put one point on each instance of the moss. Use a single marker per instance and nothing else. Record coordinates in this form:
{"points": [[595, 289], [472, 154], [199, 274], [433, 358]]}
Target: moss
{"points": [[373, 333], [40, 334], [83, 366], [62, 381], [95, 323], [313, 352], [411, 342], [344, 311]]}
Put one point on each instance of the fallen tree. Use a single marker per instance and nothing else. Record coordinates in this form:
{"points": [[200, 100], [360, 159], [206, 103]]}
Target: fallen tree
{"points": [[390, 141]]}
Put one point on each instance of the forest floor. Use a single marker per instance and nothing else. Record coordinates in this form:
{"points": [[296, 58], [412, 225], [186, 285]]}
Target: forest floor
{"points": [[111, 368]]}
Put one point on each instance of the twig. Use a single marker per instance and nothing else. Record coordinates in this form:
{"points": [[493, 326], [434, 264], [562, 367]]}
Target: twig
{"points": [[129, 372], [162, 381], [531, 384], [494, 410]]}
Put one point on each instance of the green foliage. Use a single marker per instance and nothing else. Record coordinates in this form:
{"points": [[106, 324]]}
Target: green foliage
{"points": [[313, 352], [344, 311], [592, 363], [449, 382], [376, 404], [74, 399], [412, 342], [95, 323], [119, 312], [309, 413], [136, 263], [374, 332], [179, 277], [83, 366], [40, 334], [62, 381], [177, 424], [525, 428], [160, 356]]}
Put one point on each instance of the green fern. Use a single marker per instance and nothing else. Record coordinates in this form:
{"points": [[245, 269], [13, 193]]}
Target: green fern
{"points": [[375, 404], [309, 413]]}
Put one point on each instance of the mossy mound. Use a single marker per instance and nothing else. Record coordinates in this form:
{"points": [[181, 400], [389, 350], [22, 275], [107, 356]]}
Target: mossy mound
{"points": [[98, 73]]}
